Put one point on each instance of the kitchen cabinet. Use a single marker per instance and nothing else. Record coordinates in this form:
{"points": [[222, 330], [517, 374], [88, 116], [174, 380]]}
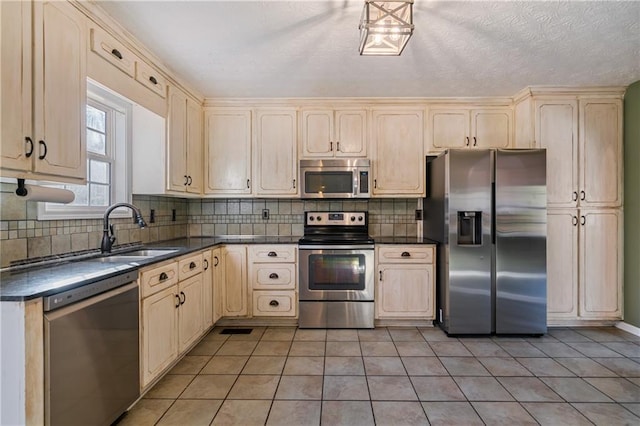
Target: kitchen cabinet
{"points": [[276, 153], [184, 143], [171, 312], [235, 291], [584, 265], [273, 275], [398, 152], [328, 133], [227, 152], [405, 282], [582, 134], [217, 268], [469, 127], [43, 91]]}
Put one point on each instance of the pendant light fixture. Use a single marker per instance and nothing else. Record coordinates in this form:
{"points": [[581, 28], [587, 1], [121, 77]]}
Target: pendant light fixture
{"points": [[385, 27]]}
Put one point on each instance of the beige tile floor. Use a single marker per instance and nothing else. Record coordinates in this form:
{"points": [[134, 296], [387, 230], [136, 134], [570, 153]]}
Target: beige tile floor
{"points": [[399, 376]]}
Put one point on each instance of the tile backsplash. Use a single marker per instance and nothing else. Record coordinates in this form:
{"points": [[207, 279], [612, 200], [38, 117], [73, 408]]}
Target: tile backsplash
{"points": [[23, 236]]}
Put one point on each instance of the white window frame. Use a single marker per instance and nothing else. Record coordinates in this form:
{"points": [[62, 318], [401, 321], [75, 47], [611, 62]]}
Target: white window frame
{"points": [[119, 124]]}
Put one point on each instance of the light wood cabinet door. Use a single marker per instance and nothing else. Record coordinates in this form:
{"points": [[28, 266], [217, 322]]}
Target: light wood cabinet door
{"points": [[227, 152], [491, 128], [398, 153], [405, 291], [60, 90], [276, 153], [448, 128], [351, 133], [601, 264], [207, 289], [556, 130], [190, 315], [218, 283], [194, 148], [176, 142], [159, 333], [562, 264], [235, 291], [16, 137], [600, 153], [317, 133]]}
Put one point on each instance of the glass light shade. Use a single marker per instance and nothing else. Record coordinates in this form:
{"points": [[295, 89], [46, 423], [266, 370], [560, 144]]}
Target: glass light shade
{"points": [[385, 27]]}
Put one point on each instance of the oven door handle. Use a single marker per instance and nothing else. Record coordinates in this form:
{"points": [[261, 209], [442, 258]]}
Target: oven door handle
{"points": [[337, 247]]}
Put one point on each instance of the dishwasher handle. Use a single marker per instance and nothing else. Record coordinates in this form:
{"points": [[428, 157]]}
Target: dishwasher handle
{"points": [[52, 315]]}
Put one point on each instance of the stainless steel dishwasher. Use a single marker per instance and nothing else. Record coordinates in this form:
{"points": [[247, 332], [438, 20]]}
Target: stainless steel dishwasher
{"points": [[91, 352]]}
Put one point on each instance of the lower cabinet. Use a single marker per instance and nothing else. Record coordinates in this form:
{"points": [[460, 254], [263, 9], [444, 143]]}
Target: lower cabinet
{"points": [[234, 272], [405, 282], [584, 271], [273, 275], [172, 316]]}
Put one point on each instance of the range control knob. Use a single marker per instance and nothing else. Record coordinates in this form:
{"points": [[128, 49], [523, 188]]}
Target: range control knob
{"points": [[318, 218], [360, 218], [353, 218], [310, 218]]}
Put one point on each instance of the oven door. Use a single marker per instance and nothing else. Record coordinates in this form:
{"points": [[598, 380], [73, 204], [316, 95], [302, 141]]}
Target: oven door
{"points": [[336, 273]]}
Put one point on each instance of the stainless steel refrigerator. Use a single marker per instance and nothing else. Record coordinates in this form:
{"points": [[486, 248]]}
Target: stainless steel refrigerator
{"points": [[486, 209]]}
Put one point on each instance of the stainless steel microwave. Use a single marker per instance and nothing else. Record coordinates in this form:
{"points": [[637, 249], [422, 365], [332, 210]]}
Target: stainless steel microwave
{"points": [[336, 178]]}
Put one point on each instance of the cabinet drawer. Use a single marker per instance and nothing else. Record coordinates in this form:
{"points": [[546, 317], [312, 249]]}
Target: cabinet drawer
{"points": [[405, 254], [114, 52], [273, 253], [151, 78], [158, 278], [274, 303], [273, 276], [189, 266]]}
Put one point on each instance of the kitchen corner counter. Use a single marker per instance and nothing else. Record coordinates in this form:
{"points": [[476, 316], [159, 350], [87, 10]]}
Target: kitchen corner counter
{"points": [[44, 280]]}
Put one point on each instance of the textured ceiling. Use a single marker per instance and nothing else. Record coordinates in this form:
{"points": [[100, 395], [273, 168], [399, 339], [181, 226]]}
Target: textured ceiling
{"points": [[459, 48]]}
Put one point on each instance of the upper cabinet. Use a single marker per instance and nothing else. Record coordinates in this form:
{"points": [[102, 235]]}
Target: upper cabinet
{"points": [[184, 143], [465, 127], [398, 152], [43, 91], [227, 152], [583, 138], [327, 133], [275, 150]]}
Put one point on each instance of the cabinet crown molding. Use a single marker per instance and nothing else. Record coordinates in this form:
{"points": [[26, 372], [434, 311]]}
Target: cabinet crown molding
{"points": [[569, 91]]}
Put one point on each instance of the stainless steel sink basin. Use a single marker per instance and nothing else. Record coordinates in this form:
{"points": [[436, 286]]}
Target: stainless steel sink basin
{"points": [[134, 255], [147, 253], [118, 259]]}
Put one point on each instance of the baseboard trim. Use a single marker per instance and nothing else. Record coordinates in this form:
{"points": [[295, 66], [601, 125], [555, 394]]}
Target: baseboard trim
{"points": [[628, 328]]}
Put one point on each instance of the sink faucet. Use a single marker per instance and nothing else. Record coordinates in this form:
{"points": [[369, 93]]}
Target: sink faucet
{"points": [[107, 230]]}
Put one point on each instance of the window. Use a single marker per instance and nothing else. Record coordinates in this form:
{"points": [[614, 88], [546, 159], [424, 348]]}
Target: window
{"points": [[107, 132]]}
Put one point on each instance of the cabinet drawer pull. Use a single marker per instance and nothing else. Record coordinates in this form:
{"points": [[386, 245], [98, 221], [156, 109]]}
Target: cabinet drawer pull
{"points": [[583, 195], [163, 276], [330, 146], [272, 254], [337, 146], [273, 276], [575, 196], [248, 184], [380, 275], [217, 261], [192, 265], [153, 80], [274, 303], [116, 53], [177, 301], [43, 155], [375, 183], [405, 254], [205, 262], [475, 141], [29, 142], [184, 297], [294, 184]]}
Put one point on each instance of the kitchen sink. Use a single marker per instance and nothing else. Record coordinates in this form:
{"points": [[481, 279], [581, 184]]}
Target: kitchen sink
{"points": [[147, 253]]}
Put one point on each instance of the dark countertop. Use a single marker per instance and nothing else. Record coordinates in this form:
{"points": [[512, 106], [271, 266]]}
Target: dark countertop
{"points": [[403, 240], [44, 280]]}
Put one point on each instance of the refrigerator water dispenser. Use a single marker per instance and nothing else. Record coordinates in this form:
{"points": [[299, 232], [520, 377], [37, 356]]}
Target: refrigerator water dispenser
{"points": [[469, 228]]}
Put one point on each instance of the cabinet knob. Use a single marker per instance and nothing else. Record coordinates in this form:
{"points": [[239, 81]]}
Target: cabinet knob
{"points": [[192, 265], [116, 53], [272, 254], [163, 276], [153, 80], [274, 303], [405, 254], [273, 276], [29, 142]]}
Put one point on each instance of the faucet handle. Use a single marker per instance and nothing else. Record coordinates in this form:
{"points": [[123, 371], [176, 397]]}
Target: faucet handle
{"points": [[111, 230]]}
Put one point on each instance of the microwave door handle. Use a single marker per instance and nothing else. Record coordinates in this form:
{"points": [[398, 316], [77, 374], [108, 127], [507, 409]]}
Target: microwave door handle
{"points": [[355, 182]]}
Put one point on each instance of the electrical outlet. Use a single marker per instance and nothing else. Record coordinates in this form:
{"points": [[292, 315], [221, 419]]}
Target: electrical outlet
{"points": [[152, 216], [173, 215], [418, 214], [265, 214]]}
